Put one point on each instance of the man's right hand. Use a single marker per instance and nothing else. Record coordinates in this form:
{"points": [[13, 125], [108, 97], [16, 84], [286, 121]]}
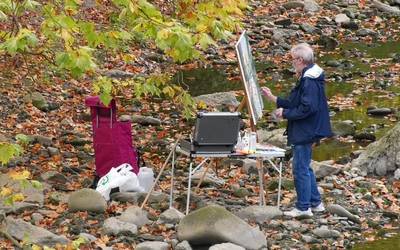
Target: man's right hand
{"points": [[268, 94]]}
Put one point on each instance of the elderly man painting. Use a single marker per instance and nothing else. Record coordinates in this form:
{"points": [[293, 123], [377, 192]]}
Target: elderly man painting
{"points": [[306, 110]]}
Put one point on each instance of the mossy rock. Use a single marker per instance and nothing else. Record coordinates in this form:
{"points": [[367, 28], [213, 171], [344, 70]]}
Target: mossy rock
{"points": [[287, 184]]}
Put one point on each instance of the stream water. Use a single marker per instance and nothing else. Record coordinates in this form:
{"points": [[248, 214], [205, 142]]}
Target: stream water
{"points": [[353, 66]]}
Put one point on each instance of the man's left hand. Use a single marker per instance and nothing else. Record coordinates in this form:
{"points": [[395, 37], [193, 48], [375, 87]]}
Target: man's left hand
{"points": [[278, 113]]}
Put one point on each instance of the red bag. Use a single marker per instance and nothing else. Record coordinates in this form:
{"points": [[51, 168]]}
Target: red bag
{"points": [[112, 139]]}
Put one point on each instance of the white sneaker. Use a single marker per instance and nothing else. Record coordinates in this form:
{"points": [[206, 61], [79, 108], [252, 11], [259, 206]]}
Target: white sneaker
{"points": [[297, 213], [319, 208]]}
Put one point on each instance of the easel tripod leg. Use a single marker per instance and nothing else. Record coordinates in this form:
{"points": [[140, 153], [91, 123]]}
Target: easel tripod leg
{"points": [[189, 186]]}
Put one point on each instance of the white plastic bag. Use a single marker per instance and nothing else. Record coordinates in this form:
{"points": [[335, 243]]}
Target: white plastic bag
{"points": [[132, 185], [116, 177], [146, 178]]}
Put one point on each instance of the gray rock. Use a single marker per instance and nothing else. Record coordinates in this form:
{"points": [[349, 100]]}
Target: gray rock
{"points": [[36, 218], [293, 5], [134, 215], [146, 120], [87, 200], [309, 29], [328, 42], [397, 174], [341, 19], [341, 211], [311, 6], [88, 237], [184, 245], [380, 111], [292, 225], [125, 118], [381, 157], [132, 197], [249, 166], [366, 32], [350, 25], [209, 178], [54, 177], [385, 7], [53, 151], [214, 224], [309, 239], [58, 197], [322, 169], [287, 184], [226, 246], [274, 137], [259, 214], [284, 22], [241, 192], [152, 245], [19, 229], [113, 226], [324, 232], [43, 140], [171, 216], [279, 35], [364, 136], [37, 100], [118, 74], [219, 100], [17, 207], [343, 128]]}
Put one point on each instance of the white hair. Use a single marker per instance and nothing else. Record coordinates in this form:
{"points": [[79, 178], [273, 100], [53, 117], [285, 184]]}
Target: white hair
{"points": [[304, 51]]}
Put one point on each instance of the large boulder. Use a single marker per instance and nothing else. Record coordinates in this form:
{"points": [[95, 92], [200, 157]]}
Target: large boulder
{"points": [[87, 200], [381, 157], [214, 224], [19, 229]]}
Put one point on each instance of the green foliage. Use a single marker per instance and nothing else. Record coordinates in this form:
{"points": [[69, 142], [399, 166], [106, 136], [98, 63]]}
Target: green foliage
{"points": [[77, 61], [103, 88], [72, 41], [22, 42], [9, 151], [23, 140]]}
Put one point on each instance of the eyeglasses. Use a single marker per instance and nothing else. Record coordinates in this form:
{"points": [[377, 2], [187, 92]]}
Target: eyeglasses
{"points": [[296, 58]]}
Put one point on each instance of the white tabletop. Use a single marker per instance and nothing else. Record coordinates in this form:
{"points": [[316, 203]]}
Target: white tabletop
{"points": [[267, 151]]}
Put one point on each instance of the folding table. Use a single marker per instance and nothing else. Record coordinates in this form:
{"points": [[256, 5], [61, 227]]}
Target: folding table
{"points": [[263, 155]]}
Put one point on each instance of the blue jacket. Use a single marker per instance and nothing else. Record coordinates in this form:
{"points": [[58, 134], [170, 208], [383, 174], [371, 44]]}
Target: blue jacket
{"points": [[306, 108]]}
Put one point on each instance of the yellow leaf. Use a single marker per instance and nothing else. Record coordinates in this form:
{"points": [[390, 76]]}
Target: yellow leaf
{"points": [[36, 247], [18, 197], [5, 191], [202, 105], [22, 175]]}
